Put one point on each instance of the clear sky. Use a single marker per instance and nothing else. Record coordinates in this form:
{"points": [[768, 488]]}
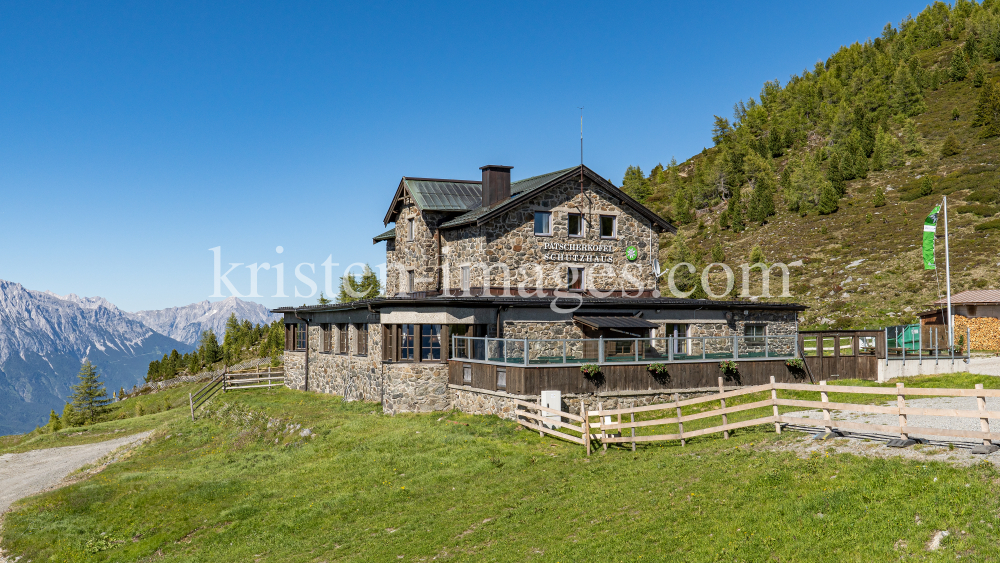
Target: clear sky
{"points": [[134, 137]]}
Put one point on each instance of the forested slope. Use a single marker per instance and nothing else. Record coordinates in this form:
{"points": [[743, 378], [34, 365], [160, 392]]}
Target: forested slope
{"points": [[843, 162]]}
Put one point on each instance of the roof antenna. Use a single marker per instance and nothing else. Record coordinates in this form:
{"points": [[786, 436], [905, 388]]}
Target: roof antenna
{"points": [[581, 150]]}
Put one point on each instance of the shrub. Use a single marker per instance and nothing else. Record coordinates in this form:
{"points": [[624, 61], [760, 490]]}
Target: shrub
{"points": [[955, 114], [796, 364], [756, 255], [978, 209], [878, 200], [593, 373], [993, 224], [951, 146], [926, 186], [729, 368], [983, 195]]}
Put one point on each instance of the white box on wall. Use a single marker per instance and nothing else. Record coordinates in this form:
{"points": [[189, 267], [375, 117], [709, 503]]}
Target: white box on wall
{"points": [[552, 400]]}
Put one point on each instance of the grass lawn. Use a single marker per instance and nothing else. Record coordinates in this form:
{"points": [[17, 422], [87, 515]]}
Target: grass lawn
{"points": [[370, 487]]}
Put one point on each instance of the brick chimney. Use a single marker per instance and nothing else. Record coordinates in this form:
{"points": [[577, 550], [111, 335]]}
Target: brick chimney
{"points": [[496, 184]]}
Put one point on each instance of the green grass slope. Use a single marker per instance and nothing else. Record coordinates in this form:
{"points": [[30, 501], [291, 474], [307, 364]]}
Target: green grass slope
{"points": [[244, 484]]}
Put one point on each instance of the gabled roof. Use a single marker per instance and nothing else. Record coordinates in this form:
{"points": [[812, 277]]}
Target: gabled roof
{"points": [[431, 194], [524, 189], [388, 235], [974, 297]]}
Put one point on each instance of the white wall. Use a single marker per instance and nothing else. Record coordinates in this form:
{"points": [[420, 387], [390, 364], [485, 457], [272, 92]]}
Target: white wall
{"points": [[910, 368]]}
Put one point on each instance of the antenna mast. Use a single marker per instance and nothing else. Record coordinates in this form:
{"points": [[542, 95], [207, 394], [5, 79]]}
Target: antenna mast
{"points": [[581, 151]]}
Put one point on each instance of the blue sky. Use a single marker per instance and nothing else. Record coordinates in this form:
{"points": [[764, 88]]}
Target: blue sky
{"points": [[137, 136]]}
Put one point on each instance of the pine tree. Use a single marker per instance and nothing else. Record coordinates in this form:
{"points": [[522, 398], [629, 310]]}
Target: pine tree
{"points": [[634, 184], [718, 254], [786, 178], [959, 66], [911, 138], [209, 349], [69, 417], [926, 186], [734, 212], [756, 255], [758, 172], [194, 364], [878, 200], [683, 214], [54, 423], [988, 109], [720, 130], [89, 397], [354, 289], [231, 345], [323, 300], [828, 200], [907, 99]]}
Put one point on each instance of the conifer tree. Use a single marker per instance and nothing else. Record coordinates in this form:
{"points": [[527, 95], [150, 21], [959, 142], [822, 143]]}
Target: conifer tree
{"points": [[911, 138], [209, 349], [54, 423], [323, 299], [756, 255], [89, 397], [828, 200], [987, 113], [761, 177], [69, 417], [354, 289], [718, 253], [634, 184], [907, 99], [878, 200], [734, 212], [926, 186], [194, 364], [959, 66]]}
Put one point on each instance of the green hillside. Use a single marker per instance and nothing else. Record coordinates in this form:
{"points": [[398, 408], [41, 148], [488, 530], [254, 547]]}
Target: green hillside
{"points": [[843, 162]]}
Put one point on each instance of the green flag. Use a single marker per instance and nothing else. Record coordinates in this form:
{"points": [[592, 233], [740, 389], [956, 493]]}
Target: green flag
{"points": [[930, 226]]}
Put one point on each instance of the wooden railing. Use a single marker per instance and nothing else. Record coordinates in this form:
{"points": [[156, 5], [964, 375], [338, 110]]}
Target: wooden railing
{"points": [[254, 379], [201, 396], [610, 431]]}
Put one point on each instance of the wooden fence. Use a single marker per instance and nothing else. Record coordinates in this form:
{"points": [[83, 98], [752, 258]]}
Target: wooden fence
{"points": [[609, 431], [255, 379]]}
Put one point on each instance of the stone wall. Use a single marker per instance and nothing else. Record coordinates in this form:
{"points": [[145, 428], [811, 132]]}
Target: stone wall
{"points": [[509, 240], [419, 254]]}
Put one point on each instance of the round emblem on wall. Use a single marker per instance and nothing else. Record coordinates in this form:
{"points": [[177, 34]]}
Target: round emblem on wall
{"points": [[631, 253]]}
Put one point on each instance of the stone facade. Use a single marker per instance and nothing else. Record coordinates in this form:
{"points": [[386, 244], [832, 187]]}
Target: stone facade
{"points": [[505, 251]]}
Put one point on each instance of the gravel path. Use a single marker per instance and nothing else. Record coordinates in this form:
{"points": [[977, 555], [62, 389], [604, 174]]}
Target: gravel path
{"points": [[23, 475], [919, 421]]}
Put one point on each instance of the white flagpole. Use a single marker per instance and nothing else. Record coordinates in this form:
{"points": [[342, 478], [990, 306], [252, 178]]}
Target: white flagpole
{"points": [[947, 277]]}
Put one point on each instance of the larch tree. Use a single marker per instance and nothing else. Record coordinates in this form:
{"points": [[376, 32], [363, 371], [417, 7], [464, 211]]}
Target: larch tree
{"points": [[89, 397]]}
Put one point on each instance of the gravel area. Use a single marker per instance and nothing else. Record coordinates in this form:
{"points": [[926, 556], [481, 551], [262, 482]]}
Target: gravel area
{"points": [[23, 475], [920, 421]]}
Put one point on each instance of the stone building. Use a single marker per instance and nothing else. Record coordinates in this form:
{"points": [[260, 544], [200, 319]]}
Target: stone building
{"points": [[557, 270]]}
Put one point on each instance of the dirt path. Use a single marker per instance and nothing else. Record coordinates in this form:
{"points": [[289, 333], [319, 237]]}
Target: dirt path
{"points": [[23, 475]]}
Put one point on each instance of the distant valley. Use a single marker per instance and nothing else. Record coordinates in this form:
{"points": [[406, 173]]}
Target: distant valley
{"points": [[44, 337]]}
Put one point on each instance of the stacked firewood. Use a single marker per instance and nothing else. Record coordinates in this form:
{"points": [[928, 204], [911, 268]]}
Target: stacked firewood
{"points": [[984, 332]]}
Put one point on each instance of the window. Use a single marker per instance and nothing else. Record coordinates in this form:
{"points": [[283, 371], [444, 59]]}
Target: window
{"points": [[846, 345], [342, 338], [327, 337], [609, 226], [300, 336], [809, 346], [466, 278], [754, 334], [409, 229], [430, 342], [466, 373], [410, 281], [406, 342], [389, 337], [543, 223], [574, 278], [829, 345], [866, 345], [575, 225], [361, 343], [501, 378], [679, 332]]}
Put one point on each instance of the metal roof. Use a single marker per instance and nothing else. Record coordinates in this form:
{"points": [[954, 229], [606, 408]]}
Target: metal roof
{"points": [[445, 195], [614, 322], [976, 296], [518, 189], [388, 235]]}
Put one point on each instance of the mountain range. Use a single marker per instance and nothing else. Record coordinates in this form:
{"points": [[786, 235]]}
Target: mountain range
{"points": [[44, 337]]}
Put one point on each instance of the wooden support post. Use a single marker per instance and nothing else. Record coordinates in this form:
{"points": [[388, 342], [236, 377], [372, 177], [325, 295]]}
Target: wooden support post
{"points": [[191, 403], [632, 416], [680, 425], [984, 422], [725, 419], [826, 412], [585, 425], [542, 413], [774, 401], [901, 403], [600, 419]]}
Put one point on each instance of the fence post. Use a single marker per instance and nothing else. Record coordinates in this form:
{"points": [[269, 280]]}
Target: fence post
{"points": [[826, 412], [600, 420], [525, 351], [586, 425], [564, 353], [901, 404], [191, 403], [920, 345], [670, 348], [680, 425], [632, 416], [886, 346], [636, 349], [725, 419], [542, 414], [774, 401], [936, 346], [600, 350], [984, 421], [736, 348]]}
